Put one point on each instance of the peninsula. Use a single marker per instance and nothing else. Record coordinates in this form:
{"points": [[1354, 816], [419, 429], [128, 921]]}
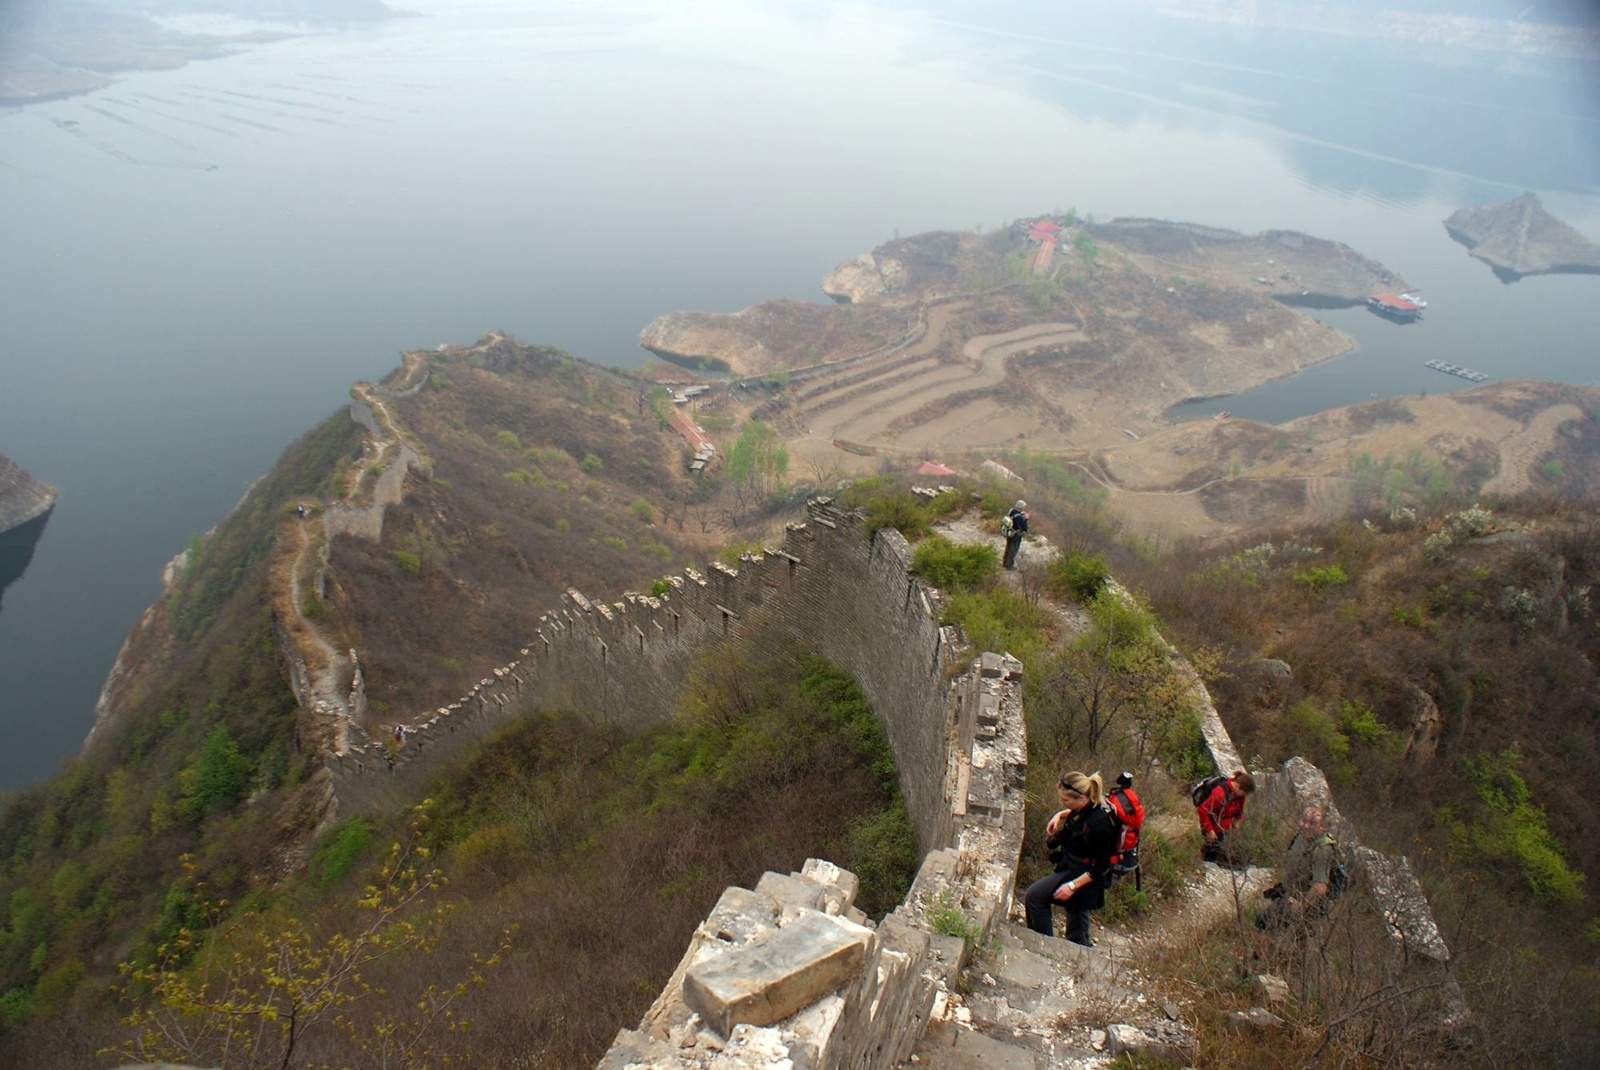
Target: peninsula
{"points": [[22, 498], [1061, 337], [1518, 237]]}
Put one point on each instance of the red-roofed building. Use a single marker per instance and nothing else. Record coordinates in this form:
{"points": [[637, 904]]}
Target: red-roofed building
{"points": [[1396, 308]]}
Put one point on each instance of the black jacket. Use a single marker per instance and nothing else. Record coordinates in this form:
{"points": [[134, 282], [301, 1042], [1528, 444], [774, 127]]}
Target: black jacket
{"points": [[1084, 844]]}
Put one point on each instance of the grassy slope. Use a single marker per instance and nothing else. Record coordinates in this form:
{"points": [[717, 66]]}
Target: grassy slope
{"points": [[1499, 634], [202, 759]]}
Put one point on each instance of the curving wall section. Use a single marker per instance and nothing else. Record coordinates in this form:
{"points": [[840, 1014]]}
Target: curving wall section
{"points": [[829, 585], [790, 972]]}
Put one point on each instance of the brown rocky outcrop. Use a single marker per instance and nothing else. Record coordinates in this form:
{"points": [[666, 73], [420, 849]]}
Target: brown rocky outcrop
{"points": [[770, 337], [22, 498], [1518, 237], [865, 277]]}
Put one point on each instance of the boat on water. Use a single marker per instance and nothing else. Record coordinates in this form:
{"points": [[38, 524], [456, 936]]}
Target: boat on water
{"points": [[1415, 298], [1400, 309]]}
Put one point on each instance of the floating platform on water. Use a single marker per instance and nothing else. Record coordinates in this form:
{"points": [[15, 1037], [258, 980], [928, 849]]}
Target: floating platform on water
{"points": [[1456, 369]]}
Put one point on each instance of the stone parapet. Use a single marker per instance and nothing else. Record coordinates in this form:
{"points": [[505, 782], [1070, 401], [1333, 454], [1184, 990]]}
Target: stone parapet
{"points": [[828, 584], [792, 974]]}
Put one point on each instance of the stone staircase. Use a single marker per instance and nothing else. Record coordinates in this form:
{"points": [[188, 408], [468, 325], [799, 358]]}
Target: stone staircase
{"points": [[1025, 1001], [1021, 990]]}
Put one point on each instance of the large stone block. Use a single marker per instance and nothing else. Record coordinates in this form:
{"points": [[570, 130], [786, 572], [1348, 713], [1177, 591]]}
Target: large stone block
{"points": [[767, 981], [794, 895]]}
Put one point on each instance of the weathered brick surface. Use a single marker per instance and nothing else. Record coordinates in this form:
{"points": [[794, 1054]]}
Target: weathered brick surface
{"points": [[829, 585], [766, 981]]}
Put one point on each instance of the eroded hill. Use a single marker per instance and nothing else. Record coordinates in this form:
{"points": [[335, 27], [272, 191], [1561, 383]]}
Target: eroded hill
{"points": [[1080, 355]]}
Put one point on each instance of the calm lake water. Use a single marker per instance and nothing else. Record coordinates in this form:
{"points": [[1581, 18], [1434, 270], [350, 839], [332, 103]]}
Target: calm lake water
{"points": [[197, 263]]}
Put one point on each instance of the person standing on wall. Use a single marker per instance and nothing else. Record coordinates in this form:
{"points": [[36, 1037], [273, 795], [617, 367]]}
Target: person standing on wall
{"points": [[1082, 837], [1014, 525], [1221, 810]]}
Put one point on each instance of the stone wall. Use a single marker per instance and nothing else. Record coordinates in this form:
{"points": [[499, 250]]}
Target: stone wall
{"points": [[366, 521], [847, 596], [791, 974], [790, 970]]}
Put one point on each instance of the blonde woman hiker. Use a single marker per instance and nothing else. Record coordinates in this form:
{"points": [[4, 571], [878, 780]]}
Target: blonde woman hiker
{"points": [[1082, 836]]}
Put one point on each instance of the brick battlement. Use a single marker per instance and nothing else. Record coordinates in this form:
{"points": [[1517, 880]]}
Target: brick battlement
{"points": [[828, 585]]}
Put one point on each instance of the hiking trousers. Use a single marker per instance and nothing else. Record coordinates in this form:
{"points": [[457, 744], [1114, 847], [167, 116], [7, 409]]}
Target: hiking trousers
{"points": [[1039, 903]]}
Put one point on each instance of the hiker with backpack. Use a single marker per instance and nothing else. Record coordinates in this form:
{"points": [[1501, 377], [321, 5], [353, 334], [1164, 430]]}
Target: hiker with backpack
{"points": [[1312, 875], [1219, 803], [1082, 837], [1013, 526], [1129, 812]]}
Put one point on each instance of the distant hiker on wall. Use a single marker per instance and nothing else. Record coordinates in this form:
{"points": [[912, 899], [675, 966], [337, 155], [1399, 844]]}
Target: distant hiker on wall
{"points": [[1014, 525], [1309, 870], [1082, 837], [1220, 808]]}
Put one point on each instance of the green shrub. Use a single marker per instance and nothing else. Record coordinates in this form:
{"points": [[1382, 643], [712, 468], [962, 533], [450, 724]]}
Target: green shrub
{"points": [[643, 510], [946, 917], [953, 566], [338, 851], [1361, 724], [1077, 575], [216, 779], [1508, 830], [1001, 621], [730, 554], [409, 563], [508, 441], [660, 587], [1315, 734], [14, 1007], [616, 542], [1322, 579], [592, 464], [884, 855], [528, 477]]}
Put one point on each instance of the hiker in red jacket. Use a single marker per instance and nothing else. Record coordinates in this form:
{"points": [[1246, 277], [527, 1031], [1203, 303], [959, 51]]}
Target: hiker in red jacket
{"points": [[1221, 810]]}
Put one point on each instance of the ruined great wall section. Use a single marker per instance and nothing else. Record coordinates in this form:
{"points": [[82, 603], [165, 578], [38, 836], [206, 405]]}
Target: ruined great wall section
{"points": [[849, 597], [790, 970]]}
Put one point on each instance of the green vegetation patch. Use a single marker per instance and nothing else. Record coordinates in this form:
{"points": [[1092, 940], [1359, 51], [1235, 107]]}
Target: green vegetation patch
{"points": [[953, 566]]}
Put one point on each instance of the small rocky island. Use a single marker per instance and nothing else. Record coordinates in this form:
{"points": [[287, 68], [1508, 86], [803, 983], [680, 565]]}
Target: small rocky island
{"points": [[22, 498], [1518, 237]]}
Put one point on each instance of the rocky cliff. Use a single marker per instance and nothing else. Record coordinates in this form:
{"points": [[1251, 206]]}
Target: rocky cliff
{"points": [[22, 498], [1518, 237]]}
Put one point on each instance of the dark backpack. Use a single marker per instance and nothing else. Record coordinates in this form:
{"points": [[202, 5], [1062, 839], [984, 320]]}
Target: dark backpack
{"points": [[1204, 787], [1129, 813]]}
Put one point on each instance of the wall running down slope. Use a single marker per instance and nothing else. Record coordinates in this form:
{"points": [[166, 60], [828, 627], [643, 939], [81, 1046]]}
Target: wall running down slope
{"points": [[847, 596], [791, 971]]}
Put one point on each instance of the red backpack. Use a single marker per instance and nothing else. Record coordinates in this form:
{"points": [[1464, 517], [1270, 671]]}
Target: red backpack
{"points": [[1129, 812]]}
